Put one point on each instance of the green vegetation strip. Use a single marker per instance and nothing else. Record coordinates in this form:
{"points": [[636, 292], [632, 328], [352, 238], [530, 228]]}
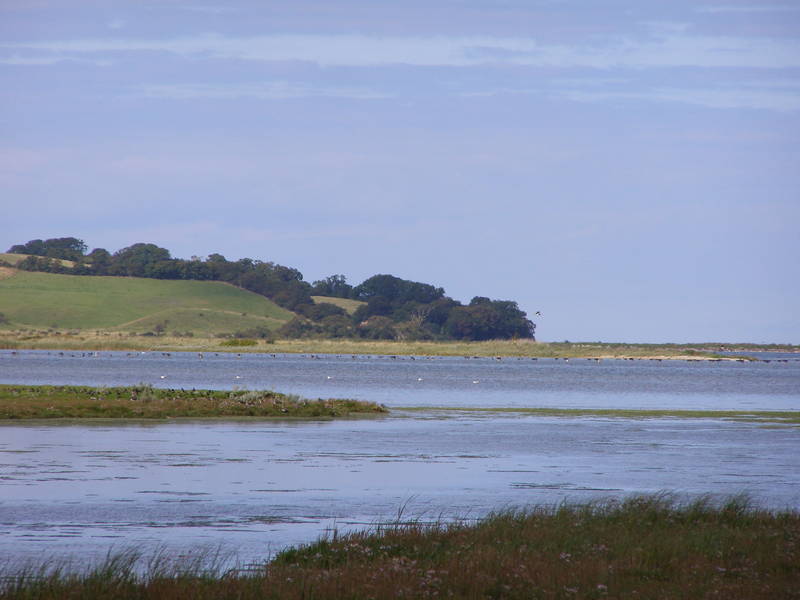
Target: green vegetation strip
{"points": [[791, 417], [147, 402], [643, 547]]}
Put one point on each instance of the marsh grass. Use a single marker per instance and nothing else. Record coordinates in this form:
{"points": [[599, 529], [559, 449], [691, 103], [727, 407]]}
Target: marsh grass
{"points": [[764, 416], [147, 402], [642, 547]]}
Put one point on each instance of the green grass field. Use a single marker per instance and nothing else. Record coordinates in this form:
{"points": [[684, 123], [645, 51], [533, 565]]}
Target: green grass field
{"points": [[45, 300]]}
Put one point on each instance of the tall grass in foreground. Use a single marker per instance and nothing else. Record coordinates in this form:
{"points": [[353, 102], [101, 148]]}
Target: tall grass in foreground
{"points": [[643, 547]]}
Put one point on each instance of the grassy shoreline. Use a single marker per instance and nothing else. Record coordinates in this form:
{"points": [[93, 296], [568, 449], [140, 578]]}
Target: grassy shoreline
{"points": [[24, 402], [99, 340], [787, 417], [644, 546]]}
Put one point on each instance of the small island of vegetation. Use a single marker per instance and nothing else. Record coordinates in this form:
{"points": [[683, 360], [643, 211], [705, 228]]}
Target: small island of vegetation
{"points": [[146, 402]]}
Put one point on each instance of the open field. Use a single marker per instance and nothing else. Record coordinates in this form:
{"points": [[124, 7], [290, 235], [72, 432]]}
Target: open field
{"points": [[642, 547], [145, 402], [130, 304]]}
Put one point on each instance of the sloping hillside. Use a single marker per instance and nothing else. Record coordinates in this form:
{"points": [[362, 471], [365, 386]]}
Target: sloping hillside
{"points": [[32, 299], [13, 259]]}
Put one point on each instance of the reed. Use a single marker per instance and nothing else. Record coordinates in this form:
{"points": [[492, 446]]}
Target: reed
{"points": [[641, 547]]}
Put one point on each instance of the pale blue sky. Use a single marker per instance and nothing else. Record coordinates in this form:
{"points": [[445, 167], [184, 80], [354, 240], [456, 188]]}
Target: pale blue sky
{"points": [[628, 168]]}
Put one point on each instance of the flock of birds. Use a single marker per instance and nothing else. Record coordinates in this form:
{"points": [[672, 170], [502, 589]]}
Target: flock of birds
{"points": [[202, 355]]}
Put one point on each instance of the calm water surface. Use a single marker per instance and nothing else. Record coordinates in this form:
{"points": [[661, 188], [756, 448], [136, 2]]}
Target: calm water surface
{"points": [[253, 487], [440, 381]]}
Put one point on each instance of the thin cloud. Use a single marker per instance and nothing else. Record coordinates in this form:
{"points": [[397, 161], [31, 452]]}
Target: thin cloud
{"points": [[776, 95], [211, 10], [668, 50], [16, 60], [760, 99], [747, 9], [274, 90]]}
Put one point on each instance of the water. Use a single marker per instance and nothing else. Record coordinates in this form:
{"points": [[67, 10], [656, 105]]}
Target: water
{"points": [[437, 381], [253, 487]]}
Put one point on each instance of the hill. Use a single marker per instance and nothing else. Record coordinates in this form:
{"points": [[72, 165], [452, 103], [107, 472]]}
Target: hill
{"points": [[41, 300], [14, 259], [381, 307]]}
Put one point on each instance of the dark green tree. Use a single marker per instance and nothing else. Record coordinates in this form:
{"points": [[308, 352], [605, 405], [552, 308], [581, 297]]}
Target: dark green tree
{"points": [[66, 248], [377, 328], [138, 260], [335, 286], [397, 291]]}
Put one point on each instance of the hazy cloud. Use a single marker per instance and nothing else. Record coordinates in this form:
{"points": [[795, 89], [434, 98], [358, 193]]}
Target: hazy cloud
{"points": [[667, 50], [767, 99], [272, 90], [209, 9], [16, 60], [756, 8]]}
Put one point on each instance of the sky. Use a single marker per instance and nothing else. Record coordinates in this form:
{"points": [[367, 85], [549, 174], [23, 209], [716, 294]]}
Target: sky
{"points": [[628, 168]]}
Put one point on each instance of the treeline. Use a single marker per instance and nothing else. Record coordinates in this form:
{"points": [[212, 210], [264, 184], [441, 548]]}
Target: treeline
{"points": [[393, 308]]}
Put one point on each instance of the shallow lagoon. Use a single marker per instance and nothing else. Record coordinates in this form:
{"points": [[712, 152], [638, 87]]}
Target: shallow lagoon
{"points": [[434, 381], [252, 487]]}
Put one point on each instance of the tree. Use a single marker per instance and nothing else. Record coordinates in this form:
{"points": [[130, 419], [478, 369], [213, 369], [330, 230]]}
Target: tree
{"points": [[320, 310], [98, 261], [337, 326], [486, 319], [377, 328], [138, 260], [376, 306], [397, 291], [66, 248], [335, 286]]}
